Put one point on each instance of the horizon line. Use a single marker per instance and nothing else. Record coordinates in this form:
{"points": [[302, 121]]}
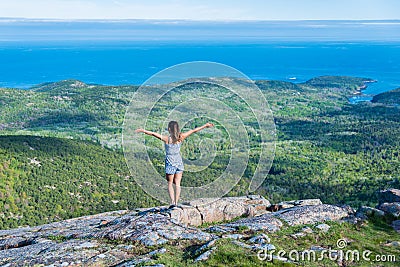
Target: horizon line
{"points": [[194, 20]]}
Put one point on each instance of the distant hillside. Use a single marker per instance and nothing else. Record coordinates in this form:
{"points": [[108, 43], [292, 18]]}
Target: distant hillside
{"points": [[45, 179], [327, 148], [66, 109], [390, 97], [72, 108]]}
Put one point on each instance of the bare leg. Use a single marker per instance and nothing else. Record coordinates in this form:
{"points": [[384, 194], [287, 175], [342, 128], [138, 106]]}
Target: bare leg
{"points": [[170, 179], [177, 182]]}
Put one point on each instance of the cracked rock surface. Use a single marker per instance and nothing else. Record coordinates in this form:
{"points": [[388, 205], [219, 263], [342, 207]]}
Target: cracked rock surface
{"points": [[113, 238]]}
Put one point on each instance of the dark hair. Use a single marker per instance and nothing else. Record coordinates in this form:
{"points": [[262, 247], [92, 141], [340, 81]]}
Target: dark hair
{"points": [[173, 128]]}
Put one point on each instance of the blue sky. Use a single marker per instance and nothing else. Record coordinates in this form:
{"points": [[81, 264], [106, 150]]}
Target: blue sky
{"points": [[203, 10]]}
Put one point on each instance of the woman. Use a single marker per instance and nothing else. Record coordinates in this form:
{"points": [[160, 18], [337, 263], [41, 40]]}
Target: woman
{"points": [[173, 159]]}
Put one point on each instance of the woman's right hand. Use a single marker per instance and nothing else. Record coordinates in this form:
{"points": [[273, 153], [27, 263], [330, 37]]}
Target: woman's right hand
{"points": [[140, 130]]}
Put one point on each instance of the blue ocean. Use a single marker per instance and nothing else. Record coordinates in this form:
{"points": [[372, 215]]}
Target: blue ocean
{"points": [[115, 53]]}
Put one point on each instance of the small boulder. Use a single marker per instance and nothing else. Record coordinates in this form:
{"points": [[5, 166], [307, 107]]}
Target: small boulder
{"points": [[323, 227], [301, 202], [297, 235], [260, 239], [205, 256], [391, 208], [317, 248], [267, 247], [233, 236], [157, 252], [396, 225], [364, 212], [392, 244], [206, 246], [389, 196], [307, 230]]}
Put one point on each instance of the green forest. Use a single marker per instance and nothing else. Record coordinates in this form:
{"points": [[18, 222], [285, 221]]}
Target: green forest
{"points": [[61, 153]]}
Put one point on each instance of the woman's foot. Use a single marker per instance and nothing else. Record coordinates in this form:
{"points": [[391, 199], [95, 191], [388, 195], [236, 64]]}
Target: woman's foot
{"points": [[172, 206]]}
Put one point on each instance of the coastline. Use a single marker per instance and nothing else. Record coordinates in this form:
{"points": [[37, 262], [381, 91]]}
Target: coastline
{"points": [[360, 96], [357, 96]]}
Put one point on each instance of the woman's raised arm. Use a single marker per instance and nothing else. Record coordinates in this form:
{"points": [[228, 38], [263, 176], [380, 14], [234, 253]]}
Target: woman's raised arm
{"points": [[156, 135], [188, 133]]}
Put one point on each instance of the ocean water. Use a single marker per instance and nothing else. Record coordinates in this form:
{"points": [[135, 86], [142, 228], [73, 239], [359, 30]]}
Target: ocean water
{"points": [[37, 52]]}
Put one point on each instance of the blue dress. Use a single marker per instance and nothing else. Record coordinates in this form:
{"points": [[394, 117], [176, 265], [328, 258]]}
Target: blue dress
{"points": [[173, 158]]}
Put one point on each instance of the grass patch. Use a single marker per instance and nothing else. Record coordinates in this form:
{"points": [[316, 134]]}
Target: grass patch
{"points": [[374, 235], [57, 238]]}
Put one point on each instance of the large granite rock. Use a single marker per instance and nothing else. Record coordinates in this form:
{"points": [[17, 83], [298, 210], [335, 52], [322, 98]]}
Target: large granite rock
{"points": [[69, 228], [83, 241], [200, 211], [389, 196], [150, 229], [68, 253], [55, 244], [187, 215], [121, 238], [313, 214]]}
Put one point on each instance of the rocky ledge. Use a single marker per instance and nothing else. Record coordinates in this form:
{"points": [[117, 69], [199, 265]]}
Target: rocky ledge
{"points": [[114, 238]]}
